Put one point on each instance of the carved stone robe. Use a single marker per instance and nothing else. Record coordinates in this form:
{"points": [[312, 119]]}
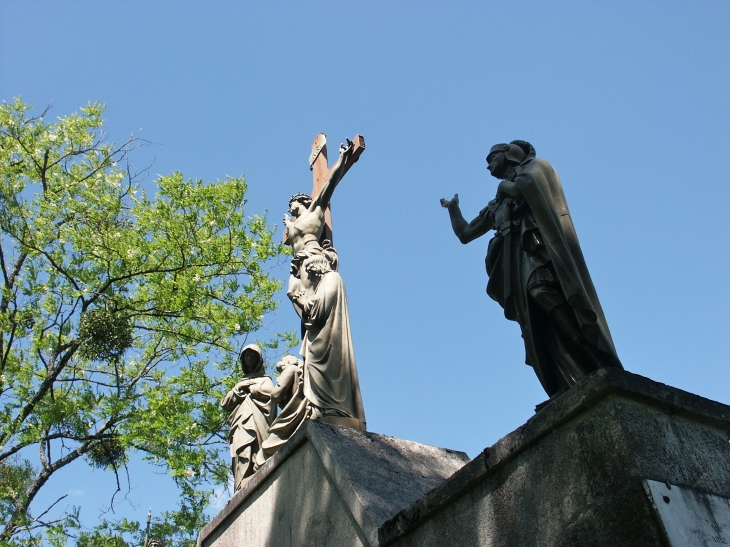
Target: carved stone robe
{"points": [[295, 408], [533, 232], [249, 418], [330, 380]]}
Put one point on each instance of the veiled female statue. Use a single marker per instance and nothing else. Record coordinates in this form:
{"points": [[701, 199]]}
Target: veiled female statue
{"points": [[250, 413]]}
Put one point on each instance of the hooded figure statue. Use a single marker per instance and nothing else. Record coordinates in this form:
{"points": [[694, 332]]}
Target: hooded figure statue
{"points": [[536, 269], [250, 413]]}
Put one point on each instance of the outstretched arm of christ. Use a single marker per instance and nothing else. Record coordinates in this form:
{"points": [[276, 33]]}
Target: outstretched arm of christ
{"points": [[465, 231], [338, 170]]}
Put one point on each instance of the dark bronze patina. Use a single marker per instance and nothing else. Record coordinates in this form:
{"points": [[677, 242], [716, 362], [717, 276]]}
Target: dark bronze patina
{"points": [[536, 269]]}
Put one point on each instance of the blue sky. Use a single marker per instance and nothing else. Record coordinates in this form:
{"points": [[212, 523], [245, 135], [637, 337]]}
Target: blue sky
{"points": [[629, 101]]}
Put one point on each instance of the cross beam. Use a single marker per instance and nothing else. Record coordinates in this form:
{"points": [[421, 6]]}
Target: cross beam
{"points": [[321, 171]]}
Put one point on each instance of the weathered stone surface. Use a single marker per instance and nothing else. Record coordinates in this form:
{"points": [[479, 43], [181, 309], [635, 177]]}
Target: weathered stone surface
{"points": [[330, 486], [572, 475]]}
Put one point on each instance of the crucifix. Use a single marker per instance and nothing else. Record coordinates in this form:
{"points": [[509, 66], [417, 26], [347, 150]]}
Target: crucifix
{"points": [[321, 171], [317, 293]]}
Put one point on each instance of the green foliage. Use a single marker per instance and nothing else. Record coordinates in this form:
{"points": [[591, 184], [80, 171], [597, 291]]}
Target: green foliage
{"points": [[118, 316], [108, 454], [15, 477]]}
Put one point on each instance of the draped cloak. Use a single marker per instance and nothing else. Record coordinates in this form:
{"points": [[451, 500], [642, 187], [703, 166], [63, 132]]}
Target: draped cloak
{"points": [[295, 408], [330, 380], [539, 232], [249, 418]]}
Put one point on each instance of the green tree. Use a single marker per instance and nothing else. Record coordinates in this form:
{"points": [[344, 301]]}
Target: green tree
{"points": [[113, 307]]}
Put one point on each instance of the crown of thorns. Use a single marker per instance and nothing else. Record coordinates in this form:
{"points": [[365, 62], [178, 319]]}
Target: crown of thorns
{"points": [[303, 198]]}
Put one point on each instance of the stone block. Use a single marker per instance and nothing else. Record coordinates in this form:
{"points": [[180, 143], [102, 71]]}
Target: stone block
{"points": [[329, 486], [578, 473], [574, 474]]}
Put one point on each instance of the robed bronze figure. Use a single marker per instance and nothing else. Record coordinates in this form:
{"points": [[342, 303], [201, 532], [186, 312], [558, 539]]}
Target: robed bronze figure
{"points": [[536, 269]]}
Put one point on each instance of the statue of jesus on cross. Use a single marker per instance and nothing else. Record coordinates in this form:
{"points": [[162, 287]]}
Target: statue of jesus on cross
{"points": [[309, 233], [331, 384], [312, 220]]}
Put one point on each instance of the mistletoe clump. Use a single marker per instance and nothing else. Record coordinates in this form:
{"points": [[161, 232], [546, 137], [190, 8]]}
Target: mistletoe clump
{"points": [[107, 454], [105, 335]]}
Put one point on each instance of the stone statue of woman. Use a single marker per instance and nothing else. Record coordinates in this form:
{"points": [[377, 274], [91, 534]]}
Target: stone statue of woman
{"points": [[331, 383], [250, 414]]}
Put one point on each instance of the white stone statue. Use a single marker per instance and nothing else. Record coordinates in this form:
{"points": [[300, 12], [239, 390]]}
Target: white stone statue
{"points": [[289, 395], [330, 374], [304, 230], [330, 390], [250, 414]]}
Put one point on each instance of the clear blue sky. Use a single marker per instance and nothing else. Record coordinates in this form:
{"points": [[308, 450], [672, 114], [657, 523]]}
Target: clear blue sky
{"points": [[630, 102]]}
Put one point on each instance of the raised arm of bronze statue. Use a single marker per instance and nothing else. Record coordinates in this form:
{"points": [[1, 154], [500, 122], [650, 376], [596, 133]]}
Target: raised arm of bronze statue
{"points": [[465, 231], [536, 268]]}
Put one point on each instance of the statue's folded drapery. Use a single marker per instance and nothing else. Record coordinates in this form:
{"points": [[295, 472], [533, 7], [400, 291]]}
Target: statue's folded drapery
{"points": [[250, 412], [537, 239], [331, 382], [289, 394]]}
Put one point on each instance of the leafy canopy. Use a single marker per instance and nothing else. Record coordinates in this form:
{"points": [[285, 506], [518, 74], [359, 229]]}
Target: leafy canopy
{"points": [[113, 303]]}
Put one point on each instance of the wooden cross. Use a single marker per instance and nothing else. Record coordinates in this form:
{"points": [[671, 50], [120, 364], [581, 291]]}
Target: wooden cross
{"points": [[321, 171]]}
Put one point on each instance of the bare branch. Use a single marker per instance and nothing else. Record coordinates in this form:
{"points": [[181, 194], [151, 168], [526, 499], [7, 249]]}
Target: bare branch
{"points": [[44, 172], [39, 517], [10, 277]]}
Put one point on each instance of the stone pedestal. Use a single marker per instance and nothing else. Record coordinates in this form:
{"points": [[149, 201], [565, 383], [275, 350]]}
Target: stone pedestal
{"points": [[329, 485], [596, 467]]}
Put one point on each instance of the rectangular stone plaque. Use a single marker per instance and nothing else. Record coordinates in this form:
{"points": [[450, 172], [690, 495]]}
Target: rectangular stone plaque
{"points": [[690, 518]]}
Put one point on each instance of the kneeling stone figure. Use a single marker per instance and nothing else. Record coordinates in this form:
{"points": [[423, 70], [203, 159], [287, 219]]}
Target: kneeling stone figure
{"points": [[295, 407]]}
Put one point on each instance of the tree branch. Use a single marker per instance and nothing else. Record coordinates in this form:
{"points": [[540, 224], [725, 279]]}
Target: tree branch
{"points": [[44, 387]]}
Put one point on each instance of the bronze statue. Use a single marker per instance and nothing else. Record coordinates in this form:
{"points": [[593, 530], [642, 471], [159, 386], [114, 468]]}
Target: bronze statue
{"points": [[536, 269], [250, 414]]}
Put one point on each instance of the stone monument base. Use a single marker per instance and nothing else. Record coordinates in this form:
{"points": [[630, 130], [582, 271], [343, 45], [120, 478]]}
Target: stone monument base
{"points": [[329, 485], [617, 461]]}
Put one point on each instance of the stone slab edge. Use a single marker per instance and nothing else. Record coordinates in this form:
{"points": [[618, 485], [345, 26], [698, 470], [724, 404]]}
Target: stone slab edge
{"points": [[587, 393], [357, 509], [252, 485], [307, 431]]}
